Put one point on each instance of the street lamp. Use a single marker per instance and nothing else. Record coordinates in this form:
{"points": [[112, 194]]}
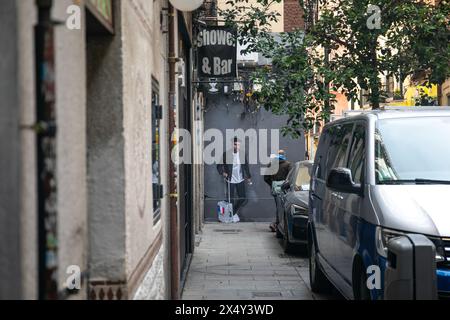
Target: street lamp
{"points": [[186, 6]]}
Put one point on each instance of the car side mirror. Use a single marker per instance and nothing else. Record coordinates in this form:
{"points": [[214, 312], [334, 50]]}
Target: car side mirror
{"points": [[285, 186], [341, 180]]}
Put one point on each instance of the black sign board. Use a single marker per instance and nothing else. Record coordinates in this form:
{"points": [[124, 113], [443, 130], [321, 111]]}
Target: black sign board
{"points": [[217, 52]]}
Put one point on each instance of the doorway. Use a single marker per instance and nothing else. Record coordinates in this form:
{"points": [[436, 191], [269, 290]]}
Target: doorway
{"points": [[185, 170]]}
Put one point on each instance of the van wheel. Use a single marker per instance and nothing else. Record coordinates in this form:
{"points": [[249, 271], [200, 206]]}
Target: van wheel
{"points": [[361, 291], [318, 280]]}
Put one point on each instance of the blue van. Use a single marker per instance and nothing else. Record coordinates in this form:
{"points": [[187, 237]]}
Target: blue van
{"points": [[378, 175]]}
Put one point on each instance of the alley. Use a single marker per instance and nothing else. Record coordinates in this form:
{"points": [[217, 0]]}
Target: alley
{"points": [[130, 128], [246, 261]]}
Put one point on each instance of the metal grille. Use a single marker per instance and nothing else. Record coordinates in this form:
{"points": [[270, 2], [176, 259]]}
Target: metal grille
{"points": [[446, 244], [442, 252]]}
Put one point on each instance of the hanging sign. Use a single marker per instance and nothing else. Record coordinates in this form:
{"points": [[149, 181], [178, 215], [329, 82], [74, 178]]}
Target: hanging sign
{"points": [[217, 52]]}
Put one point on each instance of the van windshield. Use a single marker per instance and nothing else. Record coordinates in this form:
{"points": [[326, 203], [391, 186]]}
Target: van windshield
{"points": [[413, 150]]}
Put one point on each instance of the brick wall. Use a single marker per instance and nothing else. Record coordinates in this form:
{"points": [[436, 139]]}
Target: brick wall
{"points": [[293, 15]]}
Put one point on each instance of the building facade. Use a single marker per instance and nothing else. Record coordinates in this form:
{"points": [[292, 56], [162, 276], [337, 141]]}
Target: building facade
{"points": [[293, 16], [92, 92]]}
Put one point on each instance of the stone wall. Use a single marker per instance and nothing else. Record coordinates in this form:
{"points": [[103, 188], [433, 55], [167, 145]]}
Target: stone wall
{"points": [[125, 241], [104, 152], [28, 197], [10, 226], [275, 7], [106, 163], [19, 248], [71, 146], [153, 287]]}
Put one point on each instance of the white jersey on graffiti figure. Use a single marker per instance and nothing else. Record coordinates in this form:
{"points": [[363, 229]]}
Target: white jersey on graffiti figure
{"points": [[237, 176]]}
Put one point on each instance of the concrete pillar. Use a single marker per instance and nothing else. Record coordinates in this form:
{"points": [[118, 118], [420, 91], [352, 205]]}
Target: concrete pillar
{"points": [[10, 255], [106, 160], [18, 217], [70, 63], [127, 254]]}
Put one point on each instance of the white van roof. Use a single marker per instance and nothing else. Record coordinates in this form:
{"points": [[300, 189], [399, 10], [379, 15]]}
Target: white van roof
{"points": [[397, 112]]}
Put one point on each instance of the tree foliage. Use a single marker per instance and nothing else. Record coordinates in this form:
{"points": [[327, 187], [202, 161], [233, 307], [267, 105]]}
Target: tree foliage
{"points": [[364, 38], [412, 37]]}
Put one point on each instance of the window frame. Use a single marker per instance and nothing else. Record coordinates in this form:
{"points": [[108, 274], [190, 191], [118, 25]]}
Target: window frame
{"points": [[299, 169], [346, 156], [155, 104], [363, 170]]}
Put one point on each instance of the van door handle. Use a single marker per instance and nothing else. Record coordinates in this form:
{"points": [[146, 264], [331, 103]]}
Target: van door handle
{"points": [[337, 195]]}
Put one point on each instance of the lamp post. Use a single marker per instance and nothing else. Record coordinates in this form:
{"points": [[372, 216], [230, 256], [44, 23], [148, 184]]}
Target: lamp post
{"points": [[186, 6]]}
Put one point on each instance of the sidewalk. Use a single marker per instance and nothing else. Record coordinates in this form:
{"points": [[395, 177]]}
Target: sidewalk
{"points": [[245, 261]]}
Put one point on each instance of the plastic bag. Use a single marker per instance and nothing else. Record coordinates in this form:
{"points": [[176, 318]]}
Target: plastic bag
{"points": [[225, 212]]}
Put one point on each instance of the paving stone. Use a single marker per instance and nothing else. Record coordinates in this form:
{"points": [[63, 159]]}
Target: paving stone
{"points": [[267, 277], [193, 297], [216, 284], [217, 277], [292, 285], [302, 294], [221, 291], [252, 272], [241, 277], [248, 265], [288, 277], [268, 285], [249, 284], [260, 262], [231, 267], [245, 294], [215, 271], [287, 272], [267, 294]]}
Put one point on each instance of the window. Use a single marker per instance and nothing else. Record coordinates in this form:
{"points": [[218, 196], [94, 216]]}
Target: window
{"points": [[337, 152], [290, 176], [358, 154], [408, 149], [303, 179], [156, 153], [321, 155]]}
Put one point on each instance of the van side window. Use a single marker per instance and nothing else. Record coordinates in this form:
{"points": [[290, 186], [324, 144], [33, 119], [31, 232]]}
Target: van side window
{"points": [[358, 154], [321, 155], [337, 152]]}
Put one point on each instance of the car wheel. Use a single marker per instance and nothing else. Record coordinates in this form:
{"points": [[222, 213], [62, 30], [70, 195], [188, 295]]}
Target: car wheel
{"points": [[318, 280], [288, 246], [278, 232]]}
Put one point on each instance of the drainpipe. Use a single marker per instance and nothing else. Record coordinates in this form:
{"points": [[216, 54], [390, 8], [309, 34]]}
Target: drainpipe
{"points": [[46, 153], [173, 208]]}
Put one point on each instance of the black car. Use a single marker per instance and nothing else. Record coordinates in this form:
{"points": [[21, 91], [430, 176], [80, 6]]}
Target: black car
{"points": [[292, 206]]}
